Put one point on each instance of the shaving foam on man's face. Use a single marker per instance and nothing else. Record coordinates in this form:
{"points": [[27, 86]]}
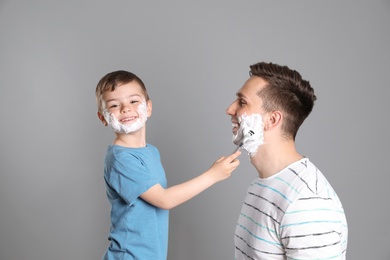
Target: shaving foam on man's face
{"points": [[251, 142], [131, 127]]}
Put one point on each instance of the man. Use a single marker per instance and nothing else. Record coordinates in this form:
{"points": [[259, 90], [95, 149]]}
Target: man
{"points": [[290, 210]]}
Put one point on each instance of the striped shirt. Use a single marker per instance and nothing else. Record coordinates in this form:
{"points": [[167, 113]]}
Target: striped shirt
{"points": [[294, 214]]}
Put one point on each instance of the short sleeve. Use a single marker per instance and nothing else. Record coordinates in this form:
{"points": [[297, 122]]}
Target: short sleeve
{"points": [[312, 229], [129, 176]]}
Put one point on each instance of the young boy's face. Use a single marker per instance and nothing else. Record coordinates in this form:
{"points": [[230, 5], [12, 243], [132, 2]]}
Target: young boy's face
{"points": [[125, 109]]}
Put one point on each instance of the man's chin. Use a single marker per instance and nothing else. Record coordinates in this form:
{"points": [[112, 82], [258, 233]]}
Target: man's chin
{"points": [[235, 130]]}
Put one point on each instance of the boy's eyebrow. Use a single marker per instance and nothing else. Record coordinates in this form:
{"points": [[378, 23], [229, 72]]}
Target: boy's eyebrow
{"points": [[129, 96]]}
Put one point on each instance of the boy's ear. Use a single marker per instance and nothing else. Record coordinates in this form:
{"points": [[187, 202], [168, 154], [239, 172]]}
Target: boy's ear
{"points": [[150, 108], [101, 118]]}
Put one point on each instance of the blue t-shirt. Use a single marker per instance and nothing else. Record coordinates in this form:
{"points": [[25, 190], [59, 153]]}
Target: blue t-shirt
{"points": [[139, 230]]}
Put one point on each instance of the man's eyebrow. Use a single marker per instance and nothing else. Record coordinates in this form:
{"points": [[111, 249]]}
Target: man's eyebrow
{"points": [[240, 95]]}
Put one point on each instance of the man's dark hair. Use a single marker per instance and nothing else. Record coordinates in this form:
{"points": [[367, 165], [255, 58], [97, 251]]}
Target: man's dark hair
{"points": [[285, 91]]}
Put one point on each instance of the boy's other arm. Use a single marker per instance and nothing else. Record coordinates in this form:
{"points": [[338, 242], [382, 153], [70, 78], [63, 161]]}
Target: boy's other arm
{"points": [[178, 194]]}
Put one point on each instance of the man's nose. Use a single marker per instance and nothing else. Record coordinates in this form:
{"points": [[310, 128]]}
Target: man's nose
{"points": [[230, 110]]}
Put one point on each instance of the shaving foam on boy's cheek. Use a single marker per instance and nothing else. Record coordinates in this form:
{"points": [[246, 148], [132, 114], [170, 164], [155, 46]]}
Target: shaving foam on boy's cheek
{"points": [[252, 142], [120, 128]]}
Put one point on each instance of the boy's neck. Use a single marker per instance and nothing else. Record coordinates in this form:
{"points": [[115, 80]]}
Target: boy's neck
{"points": [[131, 140]]}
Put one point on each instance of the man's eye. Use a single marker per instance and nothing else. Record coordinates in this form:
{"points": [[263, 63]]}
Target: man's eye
{"points": [[241, 102]]}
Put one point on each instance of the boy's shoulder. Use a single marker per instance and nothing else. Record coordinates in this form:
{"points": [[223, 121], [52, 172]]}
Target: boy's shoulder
{"points": [[116, 150]]}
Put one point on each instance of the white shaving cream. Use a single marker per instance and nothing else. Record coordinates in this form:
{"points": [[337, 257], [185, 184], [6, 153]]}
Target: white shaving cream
{"points": [[251, 142], [120, 128]]}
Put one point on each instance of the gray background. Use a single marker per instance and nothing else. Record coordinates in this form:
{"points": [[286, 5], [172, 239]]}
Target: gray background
{"points": [[193, 57]]}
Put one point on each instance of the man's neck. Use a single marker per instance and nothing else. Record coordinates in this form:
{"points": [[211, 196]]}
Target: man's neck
{"points": [[271, 159]]}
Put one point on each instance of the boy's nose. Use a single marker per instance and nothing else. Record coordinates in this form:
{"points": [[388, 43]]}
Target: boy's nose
{"points": [[126, 108]]}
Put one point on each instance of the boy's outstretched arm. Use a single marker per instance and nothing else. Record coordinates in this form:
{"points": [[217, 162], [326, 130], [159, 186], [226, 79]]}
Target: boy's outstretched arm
{"points": [[178, 194]]}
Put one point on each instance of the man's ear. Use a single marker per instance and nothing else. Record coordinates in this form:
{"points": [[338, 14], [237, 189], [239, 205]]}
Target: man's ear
{"points": [[273, 119], [150, 107], [101, 118]]}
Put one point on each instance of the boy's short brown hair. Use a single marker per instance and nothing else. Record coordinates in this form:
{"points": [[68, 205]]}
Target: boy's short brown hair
{"points": [[115, 79]]}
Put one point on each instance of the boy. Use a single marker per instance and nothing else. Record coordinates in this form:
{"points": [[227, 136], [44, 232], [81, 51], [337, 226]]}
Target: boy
{"points": [[290, 210], [135, 179]]}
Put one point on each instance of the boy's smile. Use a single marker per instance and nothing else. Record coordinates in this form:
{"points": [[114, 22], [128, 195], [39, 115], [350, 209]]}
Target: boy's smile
{"points": [[128, 119]]}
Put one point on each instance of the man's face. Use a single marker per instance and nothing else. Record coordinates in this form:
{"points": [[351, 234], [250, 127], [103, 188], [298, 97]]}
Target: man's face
{"points": [[247, 102]]}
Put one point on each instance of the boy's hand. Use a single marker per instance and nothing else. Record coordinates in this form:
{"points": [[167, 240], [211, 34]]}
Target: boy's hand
{"points": [[224, 166]]}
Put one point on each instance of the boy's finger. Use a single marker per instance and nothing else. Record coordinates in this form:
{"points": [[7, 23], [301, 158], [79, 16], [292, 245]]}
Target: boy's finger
{"points": [[234, 155]]}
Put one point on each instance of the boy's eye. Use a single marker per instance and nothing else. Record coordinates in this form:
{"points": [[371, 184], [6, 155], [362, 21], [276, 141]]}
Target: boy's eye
{"points": [[113, 106], [134, 101]]}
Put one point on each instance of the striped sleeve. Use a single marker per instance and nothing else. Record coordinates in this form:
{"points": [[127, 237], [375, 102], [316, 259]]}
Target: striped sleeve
{"points": [[313, 228]]}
